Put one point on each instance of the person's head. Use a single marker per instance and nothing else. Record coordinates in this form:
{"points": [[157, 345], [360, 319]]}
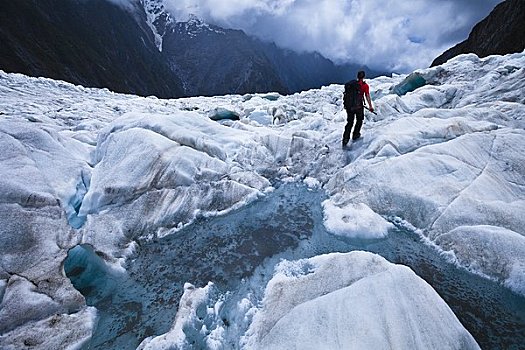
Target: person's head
{"points": [[361, 74]]}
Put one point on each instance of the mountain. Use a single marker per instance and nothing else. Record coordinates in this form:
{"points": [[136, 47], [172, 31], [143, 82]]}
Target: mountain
{"points": [[307, 70], [93, 43], [501, 32], [140, 49], [213, 61]]}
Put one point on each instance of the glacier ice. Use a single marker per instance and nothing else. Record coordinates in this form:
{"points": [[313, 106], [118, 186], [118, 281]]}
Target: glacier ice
{"points": [[70, 331], [334, 301], [482, 248], [88, 166], [352, 301], [409, 84], [39, 168]]}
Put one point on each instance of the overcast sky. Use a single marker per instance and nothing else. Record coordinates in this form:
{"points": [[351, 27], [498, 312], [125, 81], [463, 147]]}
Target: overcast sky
{"points": [[396, 35]]}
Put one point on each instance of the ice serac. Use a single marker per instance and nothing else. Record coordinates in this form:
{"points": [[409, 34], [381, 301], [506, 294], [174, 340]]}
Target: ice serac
{"points": [[356, 300], [37, 180], [167, 170]]}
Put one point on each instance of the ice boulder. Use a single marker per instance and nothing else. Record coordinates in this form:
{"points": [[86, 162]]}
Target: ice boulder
{"points": [[356, 300], [273, 96], [221, 113]]}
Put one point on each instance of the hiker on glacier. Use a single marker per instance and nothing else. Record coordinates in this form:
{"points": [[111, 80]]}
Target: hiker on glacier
{"points": [[353, 101]]}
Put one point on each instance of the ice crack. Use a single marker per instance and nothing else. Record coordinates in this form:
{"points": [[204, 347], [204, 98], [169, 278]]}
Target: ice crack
{"points": [[74, 219]]}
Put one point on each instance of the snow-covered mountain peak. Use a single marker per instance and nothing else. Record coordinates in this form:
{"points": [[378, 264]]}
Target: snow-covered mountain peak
{"points": [[158, 19], [194, 26]]}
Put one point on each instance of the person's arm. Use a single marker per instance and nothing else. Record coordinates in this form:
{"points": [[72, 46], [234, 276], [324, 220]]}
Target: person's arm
{"points": [[367, 94]]}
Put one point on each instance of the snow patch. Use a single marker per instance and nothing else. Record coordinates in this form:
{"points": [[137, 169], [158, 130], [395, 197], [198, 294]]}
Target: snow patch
{"points": [[354, 221]]}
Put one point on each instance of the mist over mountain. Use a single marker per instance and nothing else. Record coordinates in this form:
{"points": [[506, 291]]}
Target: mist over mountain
{"points": [[501, 32], [214, 61], [140, 49]]}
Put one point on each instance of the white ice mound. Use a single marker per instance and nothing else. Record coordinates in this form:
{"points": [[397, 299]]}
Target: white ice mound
{"points": [[59, 331], [490, 250], [354, 221], [156, 173], [355, 300]]}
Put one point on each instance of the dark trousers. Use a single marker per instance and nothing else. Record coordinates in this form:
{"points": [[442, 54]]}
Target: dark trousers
{"points": [[357, 115]]}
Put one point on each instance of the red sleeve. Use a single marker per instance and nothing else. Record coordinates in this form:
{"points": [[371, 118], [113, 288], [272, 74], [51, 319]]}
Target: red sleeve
{"points": [[366, 88]]}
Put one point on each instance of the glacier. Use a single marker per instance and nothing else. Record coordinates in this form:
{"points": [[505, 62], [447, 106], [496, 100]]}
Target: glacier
{"points": [[119, 175]]}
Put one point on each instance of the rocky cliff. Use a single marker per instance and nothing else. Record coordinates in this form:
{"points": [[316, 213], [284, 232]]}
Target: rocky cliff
{"points": [[501, 32]]}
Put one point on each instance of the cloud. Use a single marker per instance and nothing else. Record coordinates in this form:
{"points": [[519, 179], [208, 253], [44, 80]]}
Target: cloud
{"points": [[384, 34]]}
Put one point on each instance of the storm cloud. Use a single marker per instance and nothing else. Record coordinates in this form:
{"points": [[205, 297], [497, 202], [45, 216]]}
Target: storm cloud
{"points": [[389, 35]]}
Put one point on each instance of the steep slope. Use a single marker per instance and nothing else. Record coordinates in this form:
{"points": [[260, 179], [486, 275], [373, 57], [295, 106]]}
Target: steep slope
{"points": [[501, 32], [92, 43], [216, 61]]}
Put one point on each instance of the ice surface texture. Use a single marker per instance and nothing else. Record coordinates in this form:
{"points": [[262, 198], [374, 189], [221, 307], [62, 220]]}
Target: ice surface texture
{"points": [[39, 172], [353, 301], [90, 166]]}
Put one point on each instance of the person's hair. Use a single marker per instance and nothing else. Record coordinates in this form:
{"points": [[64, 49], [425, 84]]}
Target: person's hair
{"points": [[361, 74]]}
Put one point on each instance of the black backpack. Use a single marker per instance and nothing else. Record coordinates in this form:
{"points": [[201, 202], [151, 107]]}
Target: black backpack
{"points": [[352, 98]]}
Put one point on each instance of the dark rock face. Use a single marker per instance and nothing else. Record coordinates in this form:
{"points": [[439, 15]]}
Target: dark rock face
{"points": [[303, 71], [215, 61], [501, 32], [92, 43]]}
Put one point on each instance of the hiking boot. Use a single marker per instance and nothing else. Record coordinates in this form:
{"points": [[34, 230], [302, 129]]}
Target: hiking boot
{"points": [[345, 142], [355, 137]]}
